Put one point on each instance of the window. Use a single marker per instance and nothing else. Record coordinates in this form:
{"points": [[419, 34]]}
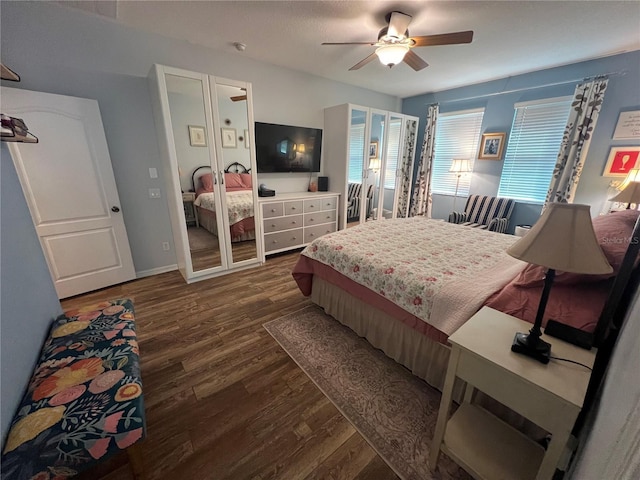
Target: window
{"points": [[356, 153], [533, 148], [457, 136], [393, 152]]}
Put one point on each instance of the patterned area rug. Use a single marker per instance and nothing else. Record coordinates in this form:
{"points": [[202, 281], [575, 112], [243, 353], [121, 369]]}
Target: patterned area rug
{"points": [[395, 411]]}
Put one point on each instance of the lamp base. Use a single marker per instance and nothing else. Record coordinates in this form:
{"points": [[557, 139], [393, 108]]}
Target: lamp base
{"points": [[532, 346]]}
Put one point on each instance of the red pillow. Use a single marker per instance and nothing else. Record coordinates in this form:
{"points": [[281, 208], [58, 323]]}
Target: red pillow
{"points": [[245, 178], [206, 181], [613, 232], [233, 180]]}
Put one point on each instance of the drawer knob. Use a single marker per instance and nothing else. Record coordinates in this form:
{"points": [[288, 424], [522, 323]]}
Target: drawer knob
{"points": [[312, 235], [273, 209], [273, 225], [294, 238], [274, 241], [311, 220], [312, 205], [293, 208], [293, 223], [328, 216]]}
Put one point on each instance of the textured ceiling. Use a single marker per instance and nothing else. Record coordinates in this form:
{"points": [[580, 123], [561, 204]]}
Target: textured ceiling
{"points": [[511, 37]]}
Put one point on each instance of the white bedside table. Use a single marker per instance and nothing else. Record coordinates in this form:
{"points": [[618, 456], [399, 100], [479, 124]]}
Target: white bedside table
{"points": [[190, 213], [549, 395]]}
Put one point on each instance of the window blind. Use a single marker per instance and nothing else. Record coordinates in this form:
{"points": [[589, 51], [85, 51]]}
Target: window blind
{"points": [[457, 136], [356, 152], [393, 152], [533, 148]]}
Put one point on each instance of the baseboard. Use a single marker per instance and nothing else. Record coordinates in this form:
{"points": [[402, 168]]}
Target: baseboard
{"points": [[156, 271]]}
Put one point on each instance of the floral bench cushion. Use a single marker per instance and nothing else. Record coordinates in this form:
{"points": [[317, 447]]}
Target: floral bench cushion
{"points": [[84, 400]]}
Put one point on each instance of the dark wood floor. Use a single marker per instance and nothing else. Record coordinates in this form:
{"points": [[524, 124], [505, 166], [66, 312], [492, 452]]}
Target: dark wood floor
{"points": [[223, 400]]}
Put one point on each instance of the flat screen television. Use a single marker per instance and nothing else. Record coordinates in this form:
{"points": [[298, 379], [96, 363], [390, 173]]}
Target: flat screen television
{"points": [[284, 148]]}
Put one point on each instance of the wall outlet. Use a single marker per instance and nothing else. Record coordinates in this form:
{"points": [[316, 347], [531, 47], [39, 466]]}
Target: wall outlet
{"points": [[165, 246], [154, 193]]}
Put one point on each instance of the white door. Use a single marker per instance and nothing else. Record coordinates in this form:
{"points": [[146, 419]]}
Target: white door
{"points": [[69, 186]]}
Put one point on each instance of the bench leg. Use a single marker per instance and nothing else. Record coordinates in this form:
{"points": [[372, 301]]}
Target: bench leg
{"points": [[134, 452]]}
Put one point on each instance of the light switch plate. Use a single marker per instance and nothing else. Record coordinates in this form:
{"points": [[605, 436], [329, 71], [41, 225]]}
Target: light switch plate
{"points": [[153, 173], [154, 193]]}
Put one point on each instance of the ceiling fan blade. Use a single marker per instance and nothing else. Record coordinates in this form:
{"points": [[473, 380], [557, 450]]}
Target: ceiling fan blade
{"points": [[362, 63], [238, 98], [414, 61], [349, 43], [443, 39], [398, 24]]}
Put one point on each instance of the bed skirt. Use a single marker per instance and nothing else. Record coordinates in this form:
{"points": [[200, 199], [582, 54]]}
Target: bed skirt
{"points": [[424, 357]]}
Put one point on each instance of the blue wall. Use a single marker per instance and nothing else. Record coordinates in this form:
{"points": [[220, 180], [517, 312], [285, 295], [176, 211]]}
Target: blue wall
{"points": [[623, 93], [28, 300]]}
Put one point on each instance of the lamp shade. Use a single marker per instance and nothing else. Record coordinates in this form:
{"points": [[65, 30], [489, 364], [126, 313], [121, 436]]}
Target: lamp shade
{"points": [[374, 164], [460, 165], [563, 239], [392, 54], [630, 193]]}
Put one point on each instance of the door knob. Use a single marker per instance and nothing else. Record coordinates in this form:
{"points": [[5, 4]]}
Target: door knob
{"points": [[115, 209]]}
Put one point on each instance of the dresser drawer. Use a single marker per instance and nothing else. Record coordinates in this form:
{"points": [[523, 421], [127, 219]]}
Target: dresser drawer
{"points": [[311, 233], [293, 208], [282, 223], [319, 217], [272, 210], [314, 205], [328, 203], [276, 241]]}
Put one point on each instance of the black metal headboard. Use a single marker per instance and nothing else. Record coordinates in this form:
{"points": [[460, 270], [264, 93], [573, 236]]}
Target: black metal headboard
{"points": [[235, 167]]}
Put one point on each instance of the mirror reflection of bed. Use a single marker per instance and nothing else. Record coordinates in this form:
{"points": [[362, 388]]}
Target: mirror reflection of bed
{"points": [[204, 237]]}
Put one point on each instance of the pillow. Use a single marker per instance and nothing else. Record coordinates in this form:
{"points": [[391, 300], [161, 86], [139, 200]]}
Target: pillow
{"points": [[245, 178], [233, 180], [613, 232], [206, 181]]}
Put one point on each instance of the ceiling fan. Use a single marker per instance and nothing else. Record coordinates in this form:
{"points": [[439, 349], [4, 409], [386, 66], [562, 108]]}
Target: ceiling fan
{"points": [[239, 98], [394, 43]]}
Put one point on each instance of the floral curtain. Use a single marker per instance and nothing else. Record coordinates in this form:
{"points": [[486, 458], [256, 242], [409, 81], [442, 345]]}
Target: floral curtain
{"points": [[585, 109], [421, 201], [406, 169]]}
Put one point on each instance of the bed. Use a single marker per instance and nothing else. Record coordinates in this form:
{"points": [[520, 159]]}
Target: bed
{"points": [[407, 284], [239, 197]]}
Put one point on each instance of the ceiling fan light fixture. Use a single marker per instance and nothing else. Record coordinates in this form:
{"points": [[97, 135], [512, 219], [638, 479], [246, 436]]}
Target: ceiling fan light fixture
{"points": [[391, 54]]}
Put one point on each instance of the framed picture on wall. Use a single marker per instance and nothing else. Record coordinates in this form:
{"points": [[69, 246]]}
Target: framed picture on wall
{"points": [[621, 160], [228, 138], [491, 146], [373, 150], [197, 137]]}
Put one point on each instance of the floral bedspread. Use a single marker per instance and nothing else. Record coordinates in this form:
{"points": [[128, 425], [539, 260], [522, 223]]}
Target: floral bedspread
{"points": [[408, 260], [84, 400], [239, 204]]}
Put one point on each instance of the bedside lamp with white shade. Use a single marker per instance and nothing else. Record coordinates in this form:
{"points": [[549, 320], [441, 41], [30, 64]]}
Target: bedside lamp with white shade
{"points": [[562, 239]]}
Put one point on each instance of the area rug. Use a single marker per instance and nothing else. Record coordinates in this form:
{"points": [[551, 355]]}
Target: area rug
{"points": [[395, 411]]}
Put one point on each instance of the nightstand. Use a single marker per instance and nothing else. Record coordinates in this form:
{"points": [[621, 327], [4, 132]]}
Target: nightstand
{"points": [[549, 395], [189, 208]]}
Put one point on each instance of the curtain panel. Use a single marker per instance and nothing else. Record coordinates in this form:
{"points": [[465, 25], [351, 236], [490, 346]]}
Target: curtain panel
{"points": [[421, 201], [406, 172], [585, 109]]}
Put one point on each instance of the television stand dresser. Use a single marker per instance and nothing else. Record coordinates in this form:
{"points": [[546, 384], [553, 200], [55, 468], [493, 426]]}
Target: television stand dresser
{"points": [[293, 220]]}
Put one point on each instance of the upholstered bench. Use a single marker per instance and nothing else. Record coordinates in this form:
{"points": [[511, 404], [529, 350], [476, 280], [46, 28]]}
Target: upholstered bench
{"points": [[84, 400], [482, 211]]}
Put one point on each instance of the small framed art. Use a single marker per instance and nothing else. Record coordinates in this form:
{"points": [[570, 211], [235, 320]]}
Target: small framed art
{"points": [[228, 138], [197, 136], [491, 146], [621, 160], [373, 150]]}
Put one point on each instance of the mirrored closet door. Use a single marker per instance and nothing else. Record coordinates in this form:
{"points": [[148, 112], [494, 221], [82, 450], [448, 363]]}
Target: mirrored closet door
{"points": [[205, 126]]}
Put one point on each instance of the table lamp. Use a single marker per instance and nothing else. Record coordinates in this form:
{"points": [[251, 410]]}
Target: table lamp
{"points": [[459, 166], [629, 189], [562, 239]]}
